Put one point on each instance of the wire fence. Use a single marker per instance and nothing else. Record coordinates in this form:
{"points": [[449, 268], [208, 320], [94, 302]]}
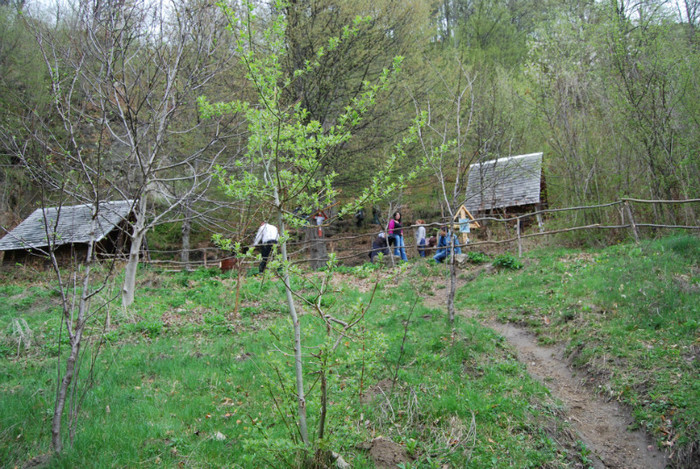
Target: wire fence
{"points": [[511, 233]]}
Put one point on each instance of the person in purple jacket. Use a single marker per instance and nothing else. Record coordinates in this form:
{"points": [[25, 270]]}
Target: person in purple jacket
{"points": [[395, 231]]}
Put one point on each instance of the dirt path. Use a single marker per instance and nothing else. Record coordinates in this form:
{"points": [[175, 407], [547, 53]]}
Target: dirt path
{"points": [[601, 425]]}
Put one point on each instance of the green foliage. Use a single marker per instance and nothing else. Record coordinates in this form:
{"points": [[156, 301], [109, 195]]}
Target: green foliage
{"points": [[507, 261], [286, 146], [476, 257], [362, 271]]}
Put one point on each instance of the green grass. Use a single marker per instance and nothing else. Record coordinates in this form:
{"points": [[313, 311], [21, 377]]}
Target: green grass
{"points": [[180, 381], [630, 315]]}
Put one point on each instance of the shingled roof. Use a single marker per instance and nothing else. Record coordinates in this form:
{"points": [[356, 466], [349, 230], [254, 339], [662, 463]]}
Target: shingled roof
{"points": [[505, 182], [73, 225]]}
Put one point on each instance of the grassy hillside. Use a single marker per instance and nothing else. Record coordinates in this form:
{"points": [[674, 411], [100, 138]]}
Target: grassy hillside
{"points": [[630, 316], [179, 381]]}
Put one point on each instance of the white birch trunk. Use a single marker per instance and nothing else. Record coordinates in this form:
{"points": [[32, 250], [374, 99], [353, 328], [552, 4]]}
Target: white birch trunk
{"points": [[132, 265]]}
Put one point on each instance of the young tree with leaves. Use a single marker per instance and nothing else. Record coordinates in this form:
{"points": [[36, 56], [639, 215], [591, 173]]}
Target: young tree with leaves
{"points": [[283, 168]]}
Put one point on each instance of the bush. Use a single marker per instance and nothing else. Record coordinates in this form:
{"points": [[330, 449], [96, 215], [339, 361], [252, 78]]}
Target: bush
{"points": [[507, 261], [477, 257]]}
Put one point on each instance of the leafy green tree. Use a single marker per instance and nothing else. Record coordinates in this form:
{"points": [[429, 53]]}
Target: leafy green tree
{"points": [[489, 32], [613, 91], [653, 80], [573, 111], [283, 167], [339, 75]]}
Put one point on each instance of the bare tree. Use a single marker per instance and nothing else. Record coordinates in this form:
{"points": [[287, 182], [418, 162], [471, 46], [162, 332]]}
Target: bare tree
{"points": [[71, 172], [134, 69], [444, 141]]}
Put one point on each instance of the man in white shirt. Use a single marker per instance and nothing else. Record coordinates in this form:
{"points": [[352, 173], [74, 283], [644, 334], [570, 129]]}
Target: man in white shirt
{"points": [[266, 237]]}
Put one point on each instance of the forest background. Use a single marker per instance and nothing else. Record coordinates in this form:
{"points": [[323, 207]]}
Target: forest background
{"points": [[606, 89]]}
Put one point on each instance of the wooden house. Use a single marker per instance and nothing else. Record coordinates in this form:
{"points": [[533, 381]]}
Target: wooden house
{"points": [[509, 186], [67, 230]]}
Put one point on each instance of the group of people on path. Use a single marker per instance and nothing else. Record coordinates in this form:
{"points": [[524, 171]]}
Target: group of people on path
{"points": [[267, 237], [395, 237]]}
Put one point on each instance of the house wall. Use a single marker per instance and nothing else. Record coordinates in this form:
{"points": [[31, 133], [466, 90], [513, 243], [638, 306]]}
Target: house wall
{"points": [[115, 243]]}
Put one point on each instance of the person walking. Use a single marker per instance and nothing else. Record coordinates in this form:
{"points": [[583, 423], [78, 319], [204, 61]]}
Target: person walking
{"points": [[265, 239], [395, 230], [420, 237]]}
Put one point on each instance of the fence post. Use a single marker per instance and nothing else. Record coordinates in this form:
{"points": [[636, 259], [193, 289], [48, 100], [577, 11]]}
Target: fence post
{"points": [[520, 241], [318, 253], [204, 255], [633, 225]]}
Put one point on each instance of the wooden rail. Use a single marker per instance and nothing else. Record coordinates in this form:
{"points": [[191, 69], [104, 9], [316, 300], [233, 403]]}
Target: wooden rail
{"points": [[299, 247]]}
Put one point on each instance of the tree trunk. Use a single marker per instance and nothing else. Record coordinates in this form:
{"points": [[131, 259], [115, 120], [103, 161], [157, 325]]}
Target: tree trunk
{"points": [[186, 230], [134, 254], [62, 394], [75, 336], [453, 282], [298, 365], [318, 254]]}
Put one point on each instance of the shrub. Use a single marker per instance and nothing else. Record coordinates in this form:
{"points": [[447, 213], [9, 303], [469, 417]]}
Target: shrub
{"points": [[476, 257], [507, 261]]}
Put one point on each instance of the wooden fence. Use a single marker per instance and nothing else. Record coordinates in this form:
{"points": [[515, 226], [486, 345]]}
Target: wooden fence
{"points": [[211, 257]]}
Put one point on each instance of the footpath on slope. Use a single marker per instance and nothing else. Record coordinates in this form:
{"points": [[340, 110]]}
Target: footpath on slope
{"points": [[601, 425]]}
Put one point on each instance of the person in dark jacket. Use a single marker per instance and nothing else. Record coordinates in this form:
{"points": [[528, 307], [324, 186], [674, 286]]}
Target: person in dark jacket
{"points": [[379, 245]]}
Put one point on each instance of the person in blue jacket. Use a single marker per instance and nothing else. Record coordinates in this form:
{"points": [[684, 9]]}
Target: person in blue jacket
{"points": [[443, 245]]}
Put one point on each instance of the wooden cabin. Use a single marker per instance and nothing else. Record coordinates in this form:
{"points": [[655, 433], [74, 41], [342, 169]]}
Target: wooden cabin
{"points": [[506, 186], [67, 230]]}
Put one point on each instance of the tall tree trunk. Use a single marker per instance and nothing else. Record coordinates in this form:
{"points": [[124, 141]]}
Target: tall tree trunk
{"points": [[132, 264], [298, 365], [186, 230]]}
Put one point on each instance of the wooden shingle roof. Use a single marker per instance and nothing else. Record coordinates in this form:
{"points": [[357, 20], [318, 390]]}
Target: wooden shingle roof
{"points": [[505, 182], [73, 225]]}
